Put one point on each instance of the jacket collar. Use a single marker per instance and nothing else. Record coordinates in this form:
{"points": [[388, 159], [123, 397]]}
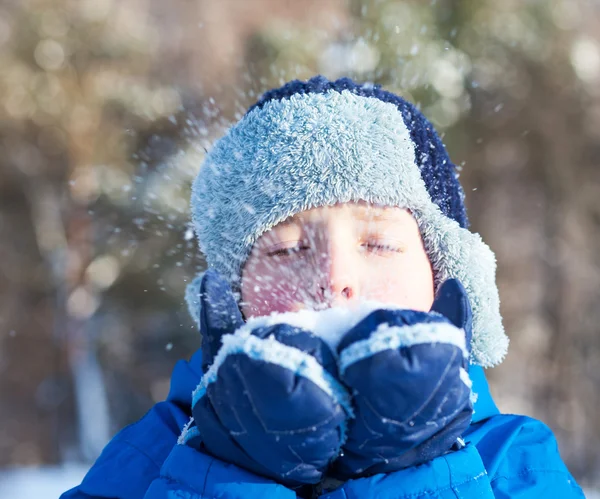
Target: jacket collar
{"points": [[484, 405], [184, 380]]}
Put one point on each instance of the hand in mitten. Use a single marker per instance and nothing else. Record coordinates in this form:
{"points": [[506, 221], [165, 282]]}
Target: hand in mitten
{"points": [[269, 400], [407, 371]]}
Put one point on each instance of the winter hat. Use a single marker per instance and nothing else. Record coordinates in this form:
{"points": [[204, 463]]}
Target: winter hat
{"points": [[320, 142]]}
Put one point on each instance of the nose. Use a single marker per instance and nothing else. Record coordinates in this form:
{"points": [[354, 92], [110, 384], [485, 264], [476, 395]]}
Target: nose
{"points": [[338, 282], [329, 292]]}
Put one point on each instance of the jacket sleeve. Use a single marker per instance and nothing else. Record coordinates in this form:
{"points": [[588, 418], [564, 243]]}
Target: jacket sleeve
{"points": [[133, 458], [522, 459], [505, 457], [456, 474], [190, 474]]}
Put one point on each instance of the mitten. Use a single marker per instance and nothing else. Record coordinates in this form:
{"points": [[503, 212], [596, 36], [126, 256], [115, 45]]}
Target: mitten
{"points": [[269, 400], [407, 371]]}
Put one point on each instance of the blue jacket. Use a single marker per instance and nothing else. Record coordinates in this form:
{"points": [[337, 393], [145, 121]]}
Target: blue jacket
{"points": [[505, 456]]}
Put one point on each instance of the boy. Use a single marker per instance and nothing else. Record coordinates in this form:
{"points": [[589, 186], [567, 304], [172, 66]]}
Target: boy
{"points": [[325, 197]]}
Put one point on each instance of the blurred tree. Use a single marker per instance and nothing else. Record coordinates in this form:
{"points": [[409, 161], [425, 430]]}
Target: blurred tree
{"points": [[74, 88]]}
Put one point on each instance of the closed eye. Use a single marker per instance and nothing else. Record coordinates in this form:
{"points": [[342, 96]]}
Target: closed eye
{"points": [[383, 248], [284, 252]]}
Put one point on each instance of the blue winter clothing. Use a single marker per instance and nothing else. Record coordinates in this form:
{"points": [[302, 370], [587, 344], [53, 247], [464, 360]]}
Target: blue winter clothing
{"points": [[270, 401], [505, 456], [410, 388]]}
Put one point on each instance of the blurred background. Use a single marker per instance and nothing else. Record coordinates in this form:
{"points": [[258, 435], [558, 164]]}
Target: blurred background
{"points": [[107, 108]]}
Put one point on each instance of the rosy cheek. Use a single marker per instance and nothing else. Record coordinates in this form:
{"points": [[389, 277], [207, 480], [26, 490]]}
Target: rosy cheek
{"points": [[385, 291], [277, 304], [267, 299], [406, 290]]}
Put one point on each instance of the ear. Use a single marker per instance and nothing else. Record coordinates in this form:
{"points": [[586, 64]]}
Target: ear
{"points": [[452, 302], [219, 314]]}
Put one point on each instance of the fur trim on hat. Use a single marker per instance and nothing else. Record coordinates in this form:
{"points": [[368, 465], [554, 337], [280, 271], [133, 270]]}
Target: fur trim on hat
{"points": [[319, 149]]}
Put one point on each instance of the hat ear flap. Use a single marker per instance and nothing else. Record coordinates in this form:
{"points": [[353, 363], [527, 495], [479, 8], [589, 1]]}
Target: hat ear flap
{"points": [[219, 310], [213, 305], [452, 302]]}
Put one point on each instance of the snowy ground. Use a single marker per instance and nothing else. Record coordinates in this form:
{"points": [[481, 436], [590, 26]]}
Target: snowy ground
{"points": [[39, 483], [51, 482]]}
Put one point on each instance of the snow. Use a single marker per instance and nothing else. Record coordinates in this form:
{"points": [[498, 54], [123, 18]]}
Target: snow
{"points": [[388, 337], [270, 350], [47, 482], [330, 324]]}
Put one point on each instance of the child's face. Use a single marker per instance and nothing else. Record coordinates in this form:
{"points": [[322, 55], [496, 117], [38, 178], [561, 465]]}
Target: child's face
{"points": [[334, 256]]}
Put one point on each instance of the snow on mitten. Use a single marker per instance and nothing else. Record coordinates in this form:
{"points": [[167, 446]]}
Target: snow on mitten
{"points": [[270, 401], [408, 374]]}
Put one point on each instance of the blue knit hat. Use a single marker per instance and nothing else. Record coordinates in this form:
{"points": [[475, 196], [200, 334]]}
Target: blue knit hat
{"points": [[320, 142]]}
